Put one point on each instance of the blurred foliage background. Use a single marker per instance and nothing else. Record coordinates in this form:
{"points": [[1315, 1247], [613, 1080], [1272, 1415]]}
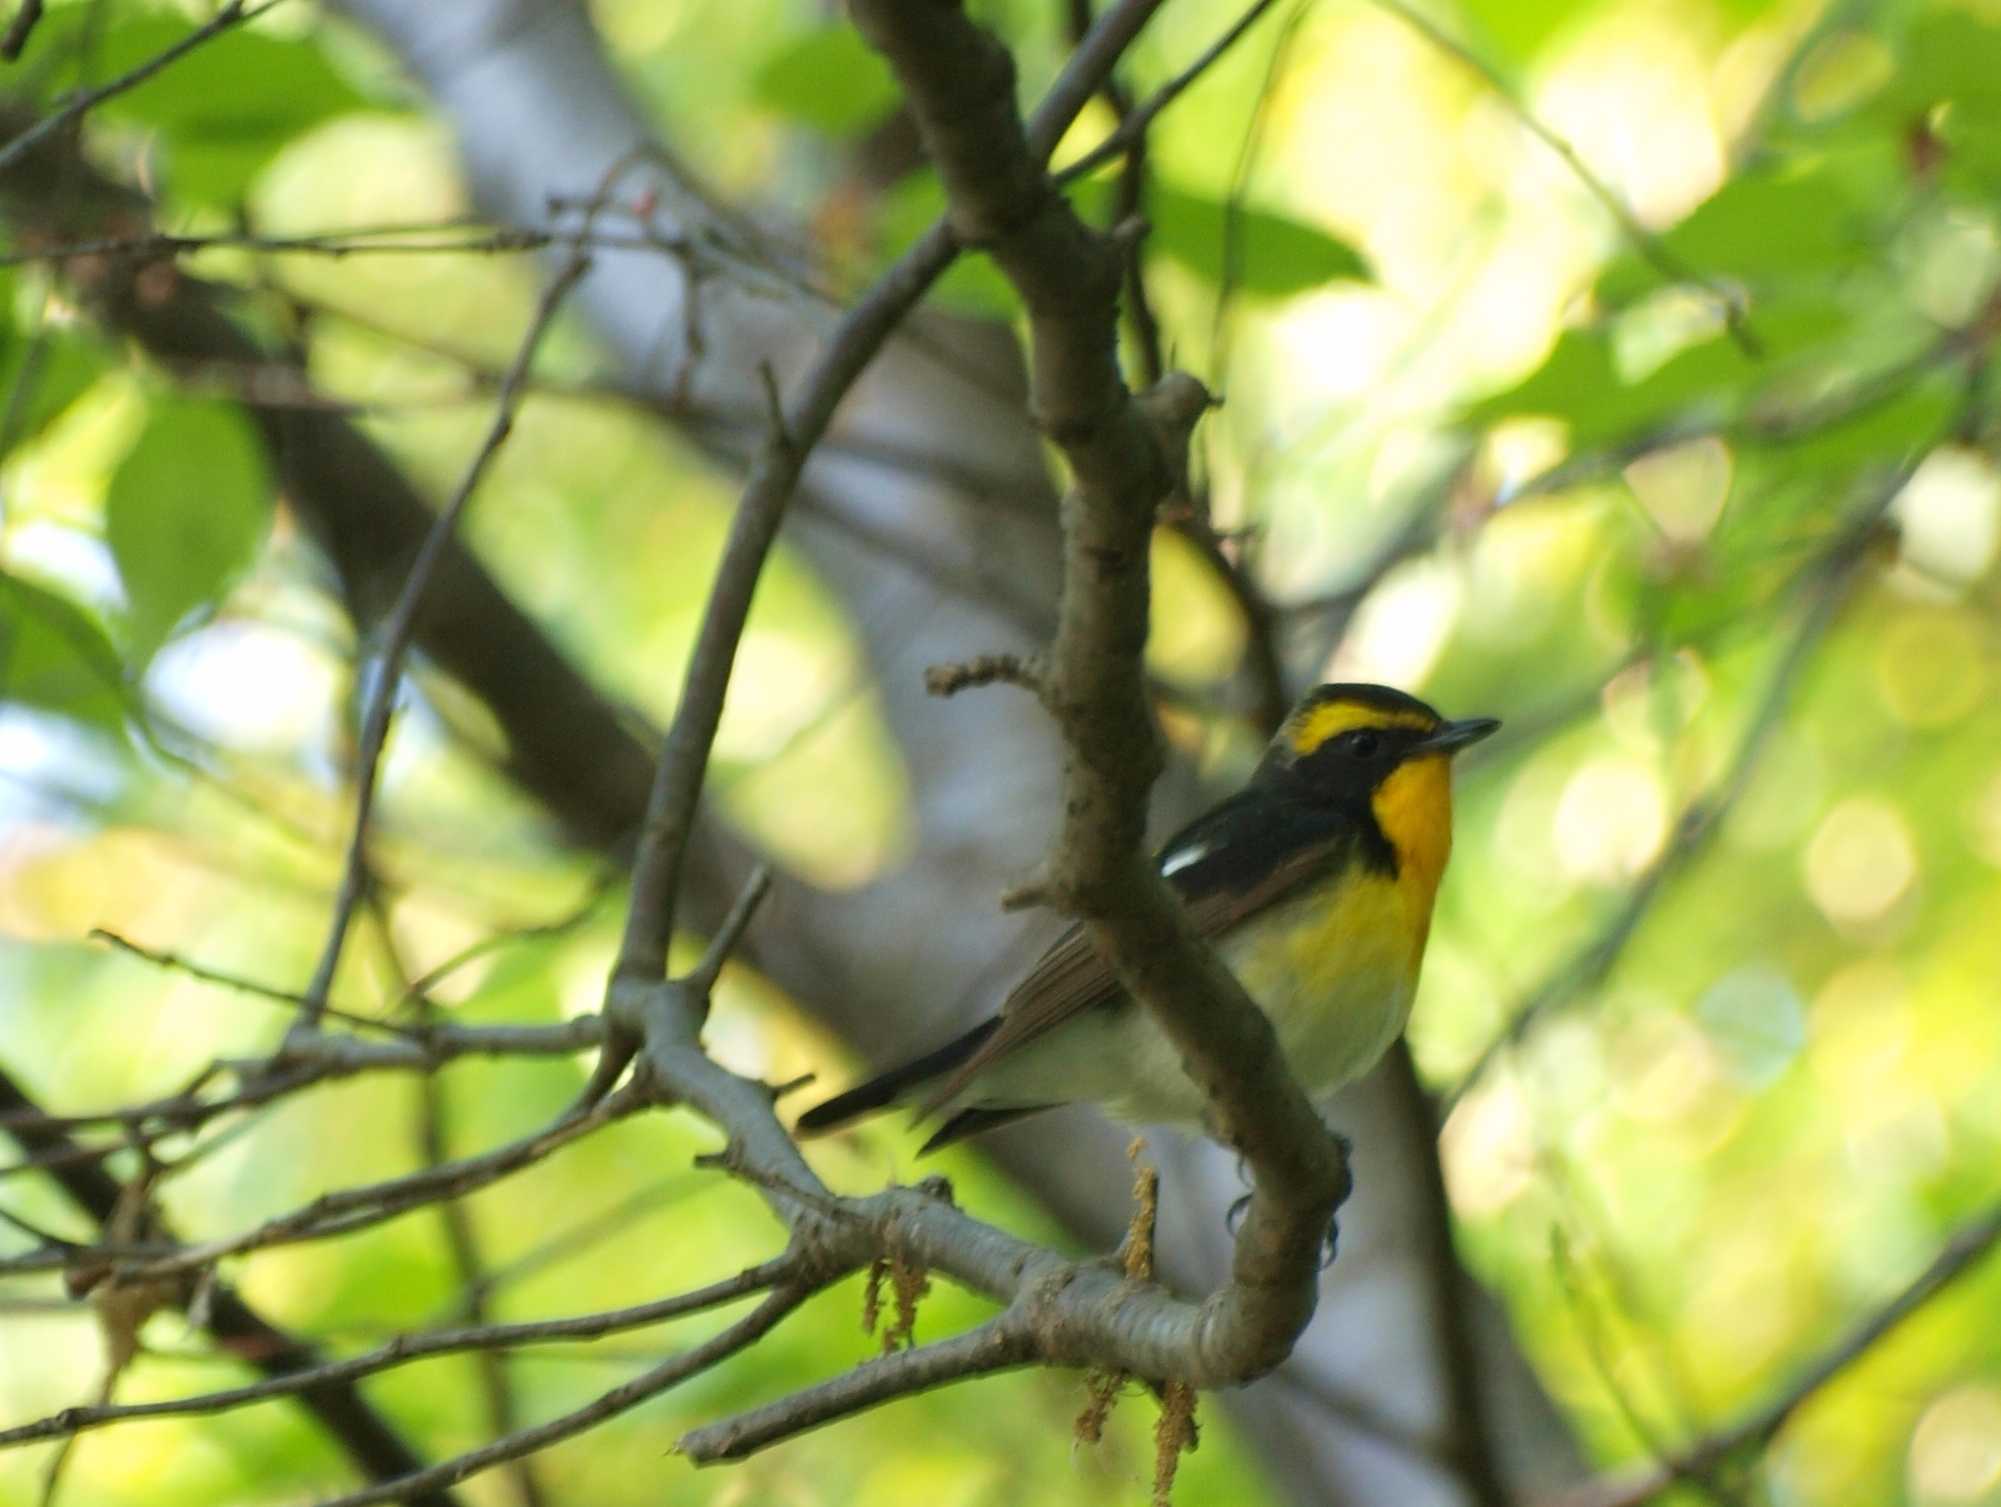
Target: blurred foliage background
{"points": [[1616, 368]]}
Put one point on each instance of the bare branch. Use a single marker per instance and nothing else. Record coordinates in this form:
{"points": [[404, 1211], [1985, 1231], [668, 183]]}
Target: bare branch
{"points": [[321, 1059], [437, 238], [677, 785], [1134, 127], [401, 626], [415, 1346], [985, 669], [338, 1213], [179, 964], [1971, 1244], [739, 1336], [774, 477], [1126, 457], [363, 1434], [25, 16], [1000, 1344], [232, 14], [350, 1209], [724, 942]]}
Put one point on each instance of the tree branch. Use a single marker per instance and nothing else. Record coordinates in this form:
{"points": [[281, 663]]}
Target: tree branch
{"points": [[797, 426], [744, 1333], [406, 1348], [400, 626], [232, 14], [363, 1434], [1125, 457], [1000, 1344], [1968, 1246]]}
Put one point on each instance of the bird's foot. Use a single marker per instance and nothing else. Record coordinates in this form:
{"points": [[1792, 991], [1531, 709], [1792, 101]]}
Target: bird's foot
{"points": [[1330, 1242], [1234, 1215]]}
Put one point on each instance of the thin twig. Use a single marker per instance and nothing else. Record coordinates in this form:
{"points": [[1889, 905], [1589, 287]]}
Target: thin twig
{"points": [[18, 29], [178, 964], [1129, 203], [774, 477], [744, 1333], [416, 1346], [444, 238], [1670, 267], [1966, 1248], [1468, 1411], [577, 1238], [364, 1435], [1240, 179], [462, 1240], [997, 1345], [232, 14], [349, 1209], [401, 625], [322, 1059], [1135, 126]]}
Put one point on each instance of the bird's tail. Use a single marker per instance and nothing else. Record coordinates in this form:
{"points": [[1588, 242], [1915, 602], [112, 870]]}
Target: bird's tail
{"points": [[890, 1088]]}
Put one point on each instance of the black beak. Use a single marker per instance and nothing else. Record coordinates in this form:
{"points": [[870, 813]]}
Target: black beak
{"points": [[1450, 737]]}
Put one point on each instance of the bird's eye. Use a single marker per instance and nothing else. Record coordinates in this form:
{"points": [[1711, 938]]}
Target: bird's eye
{"points": [[1362, 743]]}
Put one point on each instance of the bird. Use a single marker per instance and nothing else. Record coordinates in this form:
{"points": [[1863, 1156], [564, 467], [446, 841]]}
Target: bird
{"points": [[1314, 883]]}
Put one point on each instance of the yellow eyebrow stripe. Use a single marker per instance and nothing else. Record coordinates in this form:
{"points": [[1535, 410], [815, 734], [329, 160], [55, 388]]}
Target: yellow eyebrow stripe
{"points": [[1316, 724]]}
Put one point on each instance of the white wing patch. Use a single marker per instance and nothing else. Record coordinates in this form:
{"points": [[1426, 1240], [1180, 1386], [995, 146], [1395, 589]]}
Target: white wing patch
{"points": [[1176, 862]]}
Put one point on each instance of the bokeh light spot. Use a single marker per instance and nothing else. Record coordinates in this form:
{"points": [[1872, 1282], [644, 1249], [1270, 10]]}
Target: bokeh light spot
{"points": [[1756, 1021], [1665, 1066], [1402, 627], [1683, 487], [1956, 1447], [1950, 514], [1610, 820], [1488, 1149], [1930, 666], [1861, 861], [1984, 819]]}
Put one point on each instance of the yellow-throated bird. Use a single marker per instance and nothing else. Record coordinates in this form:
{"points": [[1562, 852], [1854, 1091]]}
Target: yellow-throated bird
{"points": [[1314, 883]]}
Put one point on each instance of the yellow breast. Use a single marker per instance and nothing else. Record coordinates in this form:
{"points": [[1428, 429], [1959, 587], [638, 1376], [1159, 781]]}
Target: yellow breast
{"points": [[1335, 972], [1413, 806]]}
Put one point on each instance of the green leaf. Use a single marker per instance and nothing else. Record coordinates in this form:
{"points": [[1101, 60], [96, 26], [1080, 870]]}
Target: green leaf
{"points": [[1949, 55], [1578, 382], [1519, 29], [224, 109], [829, 79], [185, 514], [53, 655], [1765, 226], [1910, 418], [1583, 383], [1277, 255], [1514, 32], [57, 369], [1951, 59]]}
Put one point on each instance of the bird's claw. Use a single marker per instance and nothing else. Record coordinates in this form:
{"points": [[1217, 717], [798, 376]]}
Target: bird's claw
{"points": [[1233, 1219]]}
